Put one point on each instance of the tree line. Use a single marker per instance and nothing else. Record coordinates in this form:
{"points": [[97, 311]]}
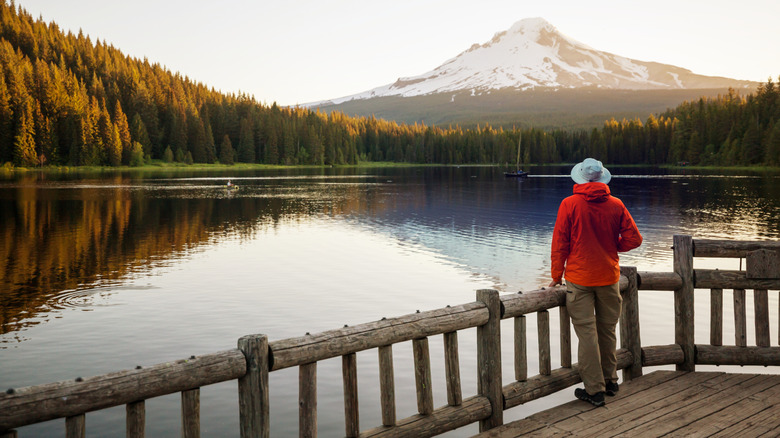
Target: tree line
{"points": [[65, 100]]}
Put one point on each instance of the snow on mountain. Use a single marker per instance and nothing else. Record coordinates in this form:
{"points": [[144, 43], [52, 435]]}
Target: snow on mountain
{"points": [[531, 54]]}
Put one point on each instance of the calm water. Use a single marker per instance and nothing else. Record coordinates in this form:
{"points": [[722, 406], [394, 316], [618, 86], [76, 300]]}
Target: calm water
{"points": [[103, 273]]}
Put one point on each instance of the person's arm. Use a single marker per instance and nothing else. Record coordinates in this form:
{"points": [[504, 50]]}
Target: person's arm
{"points": [[561, 242], [629, 233]]}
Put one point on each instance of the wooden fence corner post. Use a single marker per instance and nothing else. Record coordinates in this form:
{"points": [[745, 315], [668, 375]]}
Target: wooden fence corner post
{"points": [[683, 301], [489, 359], [629, 324], [253, 387]]}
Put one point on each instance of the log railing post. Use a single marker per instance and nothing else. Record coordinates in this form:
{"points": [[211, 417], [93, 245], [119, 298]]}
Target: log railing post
{"points": [[136, 419], [521, 350], [683, 301], [190, 413], [253, 387], [307, 400], [629, 324], [543, 330], [351, 410], [761, 307], [740, 318], [387, 385], [716, 316], [565, 327], [75, 426], [422, 376], [452, 369], [489, 359], [9, 434]]}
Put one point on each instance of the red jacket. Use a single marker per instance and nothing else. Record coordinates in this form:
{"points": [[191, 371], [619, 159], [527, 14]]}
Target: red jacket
{"points": [[591, 228]]}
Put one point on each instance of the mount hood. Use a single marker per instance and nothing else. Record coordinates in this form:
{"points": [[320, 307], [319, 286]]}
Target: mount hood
{"points": [[533, 54]]}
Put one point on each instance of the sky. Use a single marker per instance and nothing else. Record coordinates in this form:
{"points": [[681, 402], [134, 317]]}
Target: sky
{"points": [[300, 51]]}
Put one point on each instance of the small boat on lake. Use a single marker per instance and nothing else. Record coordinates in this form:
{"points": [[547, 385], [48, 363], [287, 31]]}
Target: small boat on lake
{"points": [[518, 173]]}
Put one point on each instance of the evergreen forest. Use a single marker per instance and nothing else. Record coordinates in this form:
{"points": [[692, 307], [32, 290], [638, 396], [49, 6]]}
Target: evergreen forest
{"points": [[66, 100]]}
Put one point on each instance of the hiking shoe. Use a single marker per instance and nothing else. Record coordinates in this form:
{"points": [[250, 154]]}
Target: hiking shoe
{"points": [[612, 389], [596, 399]]}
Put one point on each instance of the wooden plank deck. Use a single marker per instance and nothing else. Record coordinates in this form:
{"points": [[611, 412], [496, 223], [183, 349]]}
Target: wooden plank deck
{"points": [[666, 403]]}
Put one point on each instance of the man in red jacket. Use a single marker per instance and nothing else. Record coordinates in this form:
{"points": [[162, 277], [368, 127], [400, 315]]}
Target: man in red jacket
{"points": [[591, 228]]}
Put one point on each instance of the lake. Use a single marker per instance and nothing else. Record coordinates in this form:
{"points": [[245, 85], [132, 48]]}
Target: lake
{"points": [[103, 272]]}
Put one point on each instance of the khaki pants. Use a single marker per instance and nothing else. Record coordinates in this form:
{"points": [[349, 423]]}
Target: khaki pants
{"points": [[594, 312]]}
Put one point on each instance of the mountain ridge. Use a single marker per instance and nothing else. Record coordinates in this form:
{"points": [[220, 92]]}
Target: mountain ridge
{"points": [[533, 54]]}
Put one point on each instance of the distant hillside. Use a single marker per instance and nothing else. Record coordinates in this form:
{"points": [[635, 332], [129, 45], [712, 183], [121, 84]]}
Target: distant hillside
{"points": [[540, 108]]}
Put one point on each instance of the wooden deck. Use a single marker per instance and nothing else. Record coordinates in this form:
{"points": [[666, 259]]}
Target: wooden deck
{"points": [[666, 403]]}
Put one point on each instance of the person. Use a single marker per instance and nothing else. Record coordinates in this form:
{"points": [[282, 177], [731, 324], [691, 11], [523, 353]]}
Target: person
{"points": [[592, 226]]}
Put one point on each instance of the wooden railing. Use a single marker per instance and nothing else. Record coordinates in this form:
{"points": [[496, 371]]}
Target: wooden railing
{"points": [[255, 358]]}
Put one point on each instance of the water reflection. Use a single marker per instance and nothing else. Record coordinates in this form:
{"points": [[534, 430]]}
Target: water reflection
{"points": [[59, 238], [62, 238]]}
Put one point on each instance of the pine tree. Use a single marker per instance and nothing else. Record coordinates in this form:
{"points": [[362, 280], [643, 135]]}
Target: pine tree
{"points": [[6, 123], [246, 143], [751, 144], [226, 152], [196, 137], [123, 128], [211, 150], [773, 146], [114, 147], [24, 142], [168, 155], [138, 133]]}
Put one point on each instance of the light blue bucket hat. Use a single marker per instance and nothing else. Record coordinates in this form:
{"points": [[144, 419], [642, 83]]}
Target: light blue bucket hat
{"points": [[590, 170]]}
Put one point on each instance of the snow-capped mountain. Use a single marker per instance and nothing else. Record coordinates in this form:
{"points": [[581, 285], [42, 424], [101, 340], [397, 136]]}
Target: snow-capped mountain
{"points": [[534, 54]]}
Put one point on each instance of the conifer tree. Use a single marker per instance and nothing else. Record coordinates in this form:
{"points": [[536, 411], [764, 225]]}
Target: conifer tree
{"points": [[751, 144], [196, 137], [138, 133], [123, 128], [137, 155], [168, 155], [24, 143], [114, 147], [226, 152], [6, 122], [211, 150], [773, 146], [246, 143]]}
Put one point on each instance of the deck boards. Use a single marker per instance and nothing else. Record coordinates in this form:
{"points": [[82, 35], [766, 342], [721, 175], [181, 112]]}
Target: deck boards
{"points": [[665, 403]]}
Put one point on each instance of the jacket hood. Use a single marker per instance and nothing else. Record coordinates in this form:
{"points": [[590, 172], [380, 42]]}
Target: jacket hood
{"points": [[593, 191]]}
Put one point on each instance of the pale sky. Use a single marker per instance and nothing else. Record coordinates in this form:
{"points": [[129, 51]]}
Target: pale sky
{"points": [[299, 51]]}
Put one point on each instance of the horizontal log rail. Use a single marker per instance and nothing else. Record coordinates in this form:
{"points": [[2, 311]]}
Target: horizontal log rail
{"points": [[730, 248], [658, 280], [662, 355], [733, 355], [34, 404], [333, 343], [709, 279], [531, 302], [441, 420]]}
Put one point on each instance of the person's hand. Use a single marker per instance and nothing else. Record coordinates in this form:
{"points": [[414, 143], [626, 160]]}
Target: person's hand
{"points": [[554, 283]]}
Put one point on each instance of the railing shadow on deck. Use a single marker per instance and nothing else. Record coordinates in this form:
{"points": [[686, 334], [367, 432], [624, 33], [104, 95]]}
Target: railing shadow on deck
{"points": [[256, 358]]}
